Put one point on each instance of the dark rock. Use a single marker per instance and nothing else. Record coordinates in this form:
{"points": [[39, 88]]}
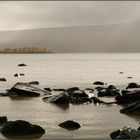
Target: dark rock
{"points": [[16, 75], [115, 134], [125, 91], [80, 100], [132, 85], [98, 83], [128, 98], [60, 89], [21, 129], [131, 108], [121, 72], [70, 125], [78, 94], [109, 91], [125, 133], [99, 88], [61, 98], [22, 74], [111, 87], [69, 90], [25, 89], [48, 89], [129, 77], [22, 65], [34, 83], [3, 79], [79, 97], [3, 119]]}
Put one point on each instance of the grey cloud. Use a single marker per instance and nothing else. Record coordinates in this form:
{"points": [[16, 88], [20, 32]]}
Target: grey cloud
{"points": [[39, 14]]}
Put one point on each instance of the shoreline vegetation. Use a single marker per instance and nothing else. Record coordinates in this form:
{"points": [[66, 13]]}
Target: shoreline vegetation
{"points": [[24, 50]]}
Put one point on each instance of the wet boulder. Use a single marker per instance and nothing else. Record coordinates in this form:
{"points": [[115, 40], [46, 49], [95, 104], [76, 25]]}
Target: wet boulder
{"points": [[132, 85], [78, 94], [125, 133], [79, 97], [129, 97], [98, 83], [70, 90], [25, 89], [21, 129], [131, 108], [61, 98], [109, 91], [70, 125], [3, 79], [115, 134]]}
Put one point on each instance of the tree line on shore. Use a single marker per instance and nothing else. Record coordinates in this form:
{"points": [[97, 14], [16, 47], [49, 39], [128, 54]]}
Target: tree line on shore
{"points": [[25, 50]]}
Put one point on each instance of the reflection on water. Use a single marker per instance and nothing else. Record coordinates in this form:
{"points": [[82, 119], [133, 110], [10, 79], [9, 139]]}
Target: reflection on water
{"points": [[64, 107]]}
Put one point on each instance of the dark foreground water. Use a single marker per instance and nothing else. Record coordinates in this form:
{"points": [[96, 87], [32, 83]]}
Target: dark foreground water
{"points": [[63, 71]]}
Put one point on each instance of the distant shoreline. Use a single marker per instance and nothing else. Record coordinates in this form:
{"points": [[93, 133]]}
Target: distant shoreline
{"points": [[26, 53]]}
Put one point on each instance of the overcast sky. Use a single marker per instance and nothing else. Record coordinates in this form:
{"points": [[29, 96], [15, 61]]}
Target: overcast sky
{"points": [[28, 14]]}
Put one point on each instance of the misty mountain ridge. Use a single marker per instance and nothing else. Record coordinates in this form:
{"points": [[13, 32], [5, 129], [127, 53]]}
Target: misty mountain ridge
{"points": [[97, 38]]}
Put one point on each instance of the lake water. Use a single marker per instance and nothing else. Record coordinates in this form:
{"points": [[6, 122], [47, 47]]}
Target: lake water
{"points": [[63, 71]]}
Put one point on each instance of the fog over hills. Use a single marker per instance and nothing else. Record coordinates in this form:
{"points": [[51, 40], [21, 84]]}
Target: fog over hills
{"points": [[97, 38]]}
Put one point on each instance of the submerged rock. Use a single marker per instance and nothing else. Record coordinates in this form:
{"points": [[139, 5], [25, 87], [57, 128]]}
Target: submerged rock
{"points": [[70, 125], [22, 64], [25, 89], [132, 85], [21, 129], [98, 83], [3, 79], [125, 133]]}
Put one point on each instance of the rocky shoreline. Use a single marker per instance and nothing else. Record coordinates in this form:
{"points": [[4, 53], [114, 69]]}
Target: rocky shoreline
{"points": [[128, 98]]}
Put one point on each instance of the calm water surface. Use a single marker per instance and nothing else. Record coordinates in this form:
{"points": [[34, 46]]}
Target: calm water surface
{"points": [[63, 71]]}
